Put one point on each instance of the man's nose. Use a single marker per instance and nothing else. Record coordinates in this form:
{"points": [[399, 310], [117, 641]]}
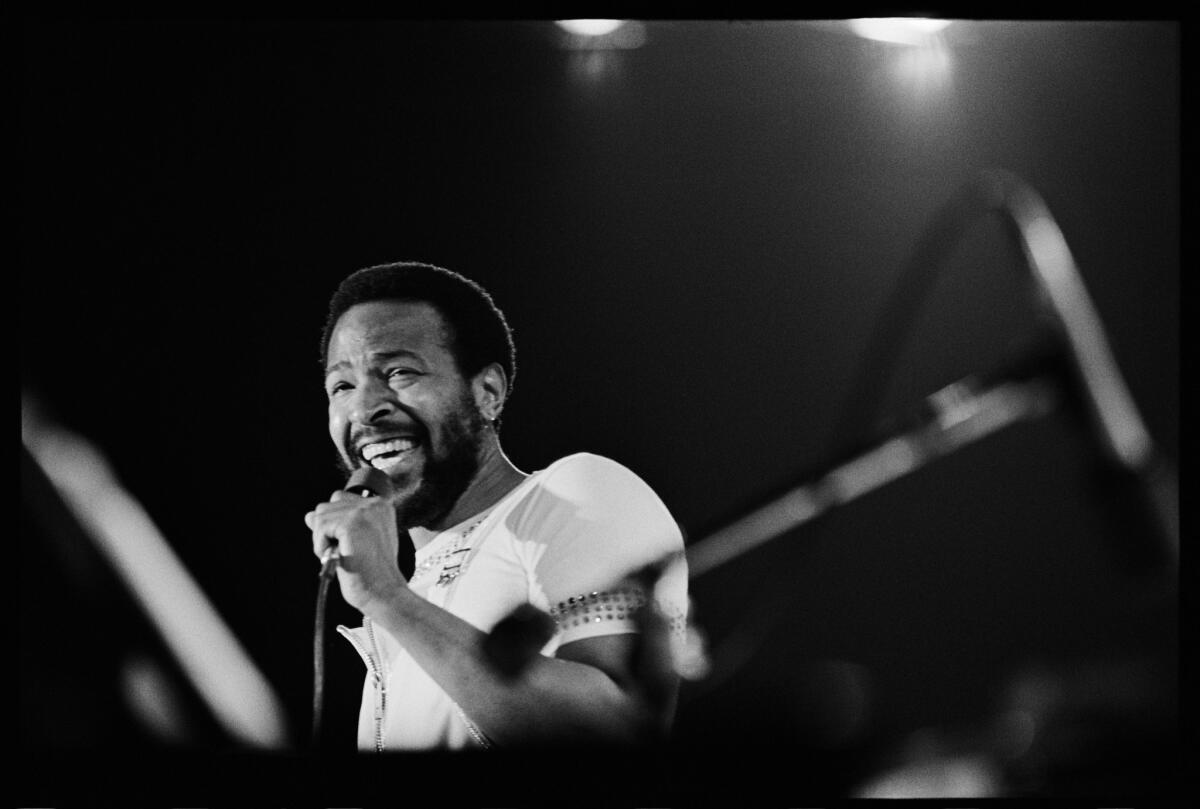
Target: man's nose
{"points": [[373, 400]]}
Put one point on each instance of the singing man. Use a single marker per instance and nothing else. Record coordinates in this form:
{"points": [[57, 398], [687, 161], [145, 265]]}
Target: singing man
{"points": [[419, 365]]}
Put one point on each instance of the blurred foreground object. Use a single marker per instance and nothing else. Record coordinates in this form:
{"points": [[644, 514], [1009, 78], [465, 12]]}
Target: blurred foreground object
{"points": [[1091, 729], [119, 646]]}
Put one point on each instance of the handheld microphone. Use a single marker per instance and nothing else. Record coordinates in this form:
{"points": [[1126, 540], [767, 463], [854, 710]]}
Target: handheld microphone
{"points": [[369, 482]]}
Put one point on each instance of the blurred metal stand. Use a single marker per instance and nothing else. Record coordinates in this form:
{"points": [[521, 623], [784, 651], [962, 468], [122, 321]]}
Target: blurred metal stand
{"points": [[978, 406], [1074, 729], [961, 415]]}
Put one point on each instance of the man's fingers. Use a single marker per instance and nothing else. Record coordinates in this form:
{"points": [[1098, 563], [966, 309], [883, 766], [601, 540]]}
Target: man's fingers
{"points": [[321, 541], [328, 525], [331, 520]]}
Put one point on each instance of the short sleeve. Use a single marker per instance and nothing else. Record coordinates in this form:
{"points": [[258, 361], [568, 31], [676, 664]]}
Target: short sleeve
{"points": [[595, 525]]}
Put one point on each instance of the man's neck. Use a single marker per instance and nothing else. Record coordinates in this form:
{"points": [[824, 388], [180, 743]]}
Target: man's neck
{"points": [[497, 476]]}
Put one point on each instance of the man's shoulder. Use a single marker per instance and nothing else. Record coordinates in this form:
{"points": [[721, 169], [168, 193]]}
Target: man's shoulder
{"points": [[582, 493], [587, 480], [588, 468]]}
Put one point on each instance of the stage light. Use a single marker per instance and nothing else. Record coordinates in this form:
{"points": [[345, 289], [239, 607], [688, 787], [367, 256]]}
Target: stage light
{"points": [[600, 35], [923, 65], [899, 30], [590, 28]]}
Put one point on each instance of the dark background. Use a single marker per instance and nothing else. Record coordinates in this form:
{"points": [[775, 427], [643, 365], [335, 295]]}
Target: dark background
{"points": [[692, 240]]}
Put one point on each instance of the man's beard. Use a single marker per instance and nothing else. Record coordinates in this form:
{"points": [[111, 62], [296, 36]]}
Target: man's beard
{"points": [[445, 477]]}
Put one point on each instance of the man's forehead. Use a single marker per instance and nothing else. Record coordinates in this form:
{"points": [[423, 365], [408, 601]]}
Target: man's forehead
{"points": [[388, 325]]}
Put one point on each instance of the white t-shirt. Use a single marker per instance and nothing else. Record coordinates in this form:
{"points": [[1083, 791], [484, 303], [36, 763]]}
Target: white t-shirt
{"points": [[565, 540]]}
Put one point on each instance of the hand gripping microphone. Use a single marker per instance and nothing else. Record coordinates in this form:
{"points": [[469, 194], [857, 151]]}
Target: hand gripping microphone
{"points": [[366, 481]]}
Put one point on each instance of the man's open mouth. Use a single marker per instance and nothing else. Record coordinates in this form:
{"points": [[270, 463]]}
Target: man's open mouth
{"points": [[385, 455]]}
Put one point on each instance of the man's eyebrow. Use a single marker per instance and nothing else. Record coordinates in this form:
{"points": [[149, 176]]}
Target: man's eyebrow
{"points": [[376, 356]]}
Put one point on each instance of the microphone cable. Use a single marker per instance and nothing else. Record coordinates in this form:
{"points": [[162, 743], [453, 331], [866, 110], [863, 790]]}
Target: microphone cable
{"points": [[367, 482], [325, 578]]}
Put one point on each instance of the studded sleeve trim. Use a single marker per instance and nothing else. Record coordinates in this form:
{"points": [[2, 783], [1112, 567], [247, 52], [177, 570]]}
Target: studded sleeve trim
{"points": [[607, 612]]}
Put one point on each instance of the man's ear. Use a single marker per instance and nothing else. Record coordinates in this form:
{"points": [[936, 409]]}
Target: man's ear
{"points": [[490, 388]]}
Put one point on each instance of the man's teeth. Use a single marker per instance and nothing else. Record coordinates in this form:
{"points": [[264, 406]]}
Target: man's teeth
{"points": [[372, 451], [385, 463]]}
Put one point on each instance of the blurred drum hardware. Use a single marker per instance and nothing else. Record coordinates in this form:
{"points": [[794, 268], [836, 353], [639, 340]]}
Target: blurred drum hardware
{"points": [[1071, 364], [1087, 728]]}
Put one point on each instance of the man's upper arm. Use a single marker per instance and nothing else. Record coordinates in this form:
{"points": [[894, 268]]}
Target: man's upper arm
{"points": [[612, 654], [622, 658], [603, 527]]}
